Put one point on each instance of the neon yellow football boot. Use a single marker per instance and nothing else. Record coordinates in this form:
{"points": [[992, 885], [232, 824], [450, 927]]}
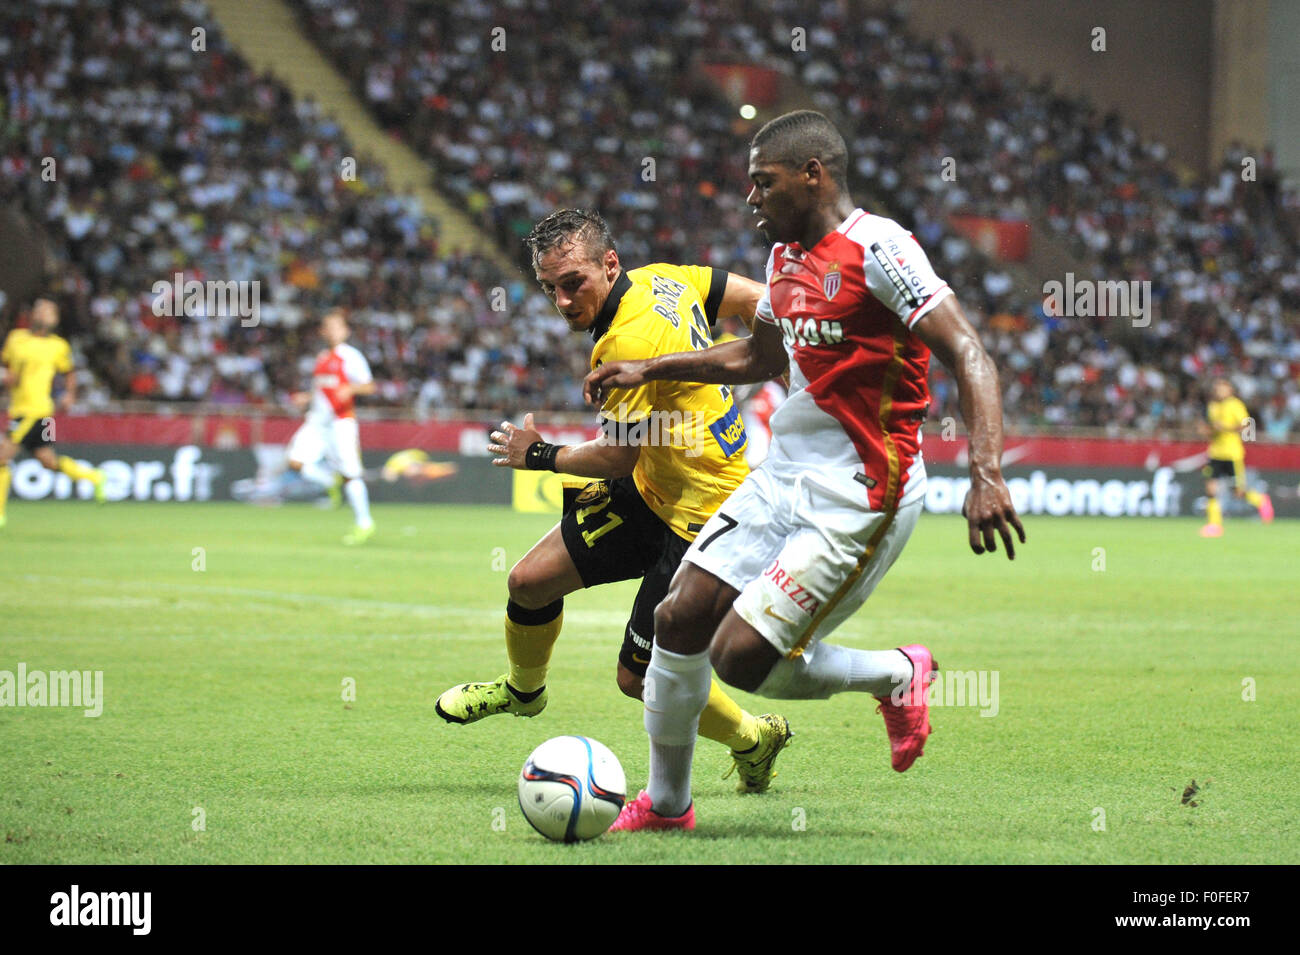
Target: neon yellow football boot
{"points": [[359, 535], [471, 702], [755, 768]]}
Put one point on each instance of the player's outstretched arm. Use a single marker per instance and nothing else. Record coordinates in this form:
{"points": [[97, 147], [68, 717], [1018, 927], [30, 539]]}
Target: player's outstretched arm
{"points": [[760, 357], [956, 344], [740, 298], [524, 450]]}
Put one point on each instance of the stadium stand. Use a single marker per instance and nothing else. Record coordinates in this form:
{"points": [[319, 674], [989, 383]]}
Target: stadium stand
{"points": [[228, 175]]}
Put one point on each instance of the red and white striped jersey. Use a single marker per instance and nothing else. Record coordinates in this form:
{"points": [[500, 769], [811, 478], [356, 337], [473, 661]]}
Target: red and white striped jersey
{"points": [[340, 365], [858, 391]]}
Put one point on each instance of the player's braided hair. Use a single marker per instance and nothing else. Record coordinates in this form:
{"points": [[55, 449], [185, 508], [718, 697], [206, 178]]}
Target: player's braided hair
{"points": [[561, 228], [794, 138]]}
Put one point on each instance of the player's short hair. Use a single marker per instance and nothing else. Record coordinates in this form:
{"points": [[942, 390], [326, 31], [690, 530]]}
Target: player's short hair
{"points": [[794, 138], [566, 226]]}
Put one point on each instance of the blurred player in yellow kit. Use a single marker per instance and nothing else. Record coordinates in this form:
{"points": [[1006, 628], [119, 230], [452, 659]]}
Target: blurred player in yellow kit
{"points": [[32, 357], [1225, 417]]}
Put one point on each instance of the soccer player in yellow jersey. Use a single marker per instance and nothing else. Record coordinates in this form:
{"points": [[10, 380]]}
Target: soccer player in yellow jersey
{"points": [[669, 455], [1225, 417], [32, 358]]}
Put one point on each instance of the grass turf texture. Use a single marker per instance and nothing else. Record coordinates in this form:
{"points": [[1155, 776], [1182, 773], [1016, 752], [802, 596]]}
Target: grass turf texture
{"points": [[224, 692]]}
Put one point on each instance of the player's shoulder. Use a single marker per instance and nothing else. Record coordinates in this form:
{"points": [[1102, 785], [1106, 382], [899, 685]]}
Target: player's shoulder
{"points": [[687, 275], [866, 229]]}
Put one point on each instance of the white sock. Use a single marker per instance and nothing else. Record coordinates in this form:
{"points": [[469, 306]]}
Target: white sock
{"points": [[827, 669], [359, 498], [317, 474], [676, 689]]}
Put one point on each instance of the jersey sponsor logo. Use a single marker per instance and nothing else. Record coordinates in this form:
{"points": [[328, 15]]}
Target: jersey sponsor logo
{"points": [[324, 380], [831, 280], [901, 273], [729, 431], [784, 582], [801, 332]]}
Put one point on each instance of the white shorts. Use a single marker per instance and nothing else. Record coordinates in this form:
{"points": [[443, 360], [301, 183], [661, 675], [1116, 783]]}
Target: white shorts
{"points": [[803, 550], [338, 442]]}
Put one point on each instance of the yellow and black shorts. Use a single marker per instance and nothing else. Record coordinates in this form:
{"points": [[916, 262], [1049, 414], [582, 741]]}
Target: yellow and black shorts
{"points": [[1224, 468], [31, 431], [611, 534]]}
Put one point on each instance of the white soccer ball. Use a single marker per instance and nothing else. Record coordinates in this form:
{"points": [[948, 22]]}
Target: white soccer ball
{"points": [[571, 788]]}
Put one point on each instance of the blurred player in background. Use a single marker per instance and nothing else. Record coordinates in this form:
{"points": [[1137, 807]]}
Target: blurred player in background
{"points": [[855, 308], [32, 358], [759, 408], [1225, 417], [669, 455], [329, 442]]}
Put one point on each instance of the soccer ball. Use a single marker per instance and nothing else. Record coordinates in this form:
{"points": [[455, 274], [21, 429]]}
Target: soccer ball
{"points": [[571, 788]]}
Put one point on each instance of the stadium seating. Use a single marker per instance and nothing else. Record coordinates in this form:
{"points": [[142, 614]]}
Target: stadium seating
{"points": [[230, 176]]}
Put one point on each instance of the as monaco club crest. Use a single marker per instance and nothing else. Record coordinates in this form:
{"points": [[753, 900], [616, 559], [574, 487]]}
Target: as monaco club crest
{"points": [[831, 280]]}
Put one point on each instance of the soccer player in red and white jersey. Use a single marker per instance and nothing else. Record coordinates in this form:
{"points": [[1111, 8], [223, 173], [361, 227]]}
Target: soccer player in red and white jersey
{"points": [[854, 307], [329, 434]]}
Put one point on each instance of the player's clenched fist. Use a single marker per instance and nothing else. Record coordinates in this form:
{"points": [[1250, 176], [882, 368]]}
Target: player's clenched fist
{"points": [[512, 444], [615, 374]]}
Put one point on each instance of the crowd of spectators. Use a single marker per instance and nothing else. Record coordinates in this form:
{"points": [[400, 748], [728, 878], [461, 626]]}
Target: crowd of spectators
{"points": [[170, 159], [550, 116], [175, 160], [1221, 252]]}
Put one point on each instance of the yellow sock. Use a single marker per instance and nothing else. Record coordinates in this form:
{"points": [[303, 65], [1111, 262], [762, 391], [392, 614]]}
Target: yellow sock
{"points": [[4, 487], [75, 471], [723, 720], [1255, 499], [530, 635], [1213, 512]]}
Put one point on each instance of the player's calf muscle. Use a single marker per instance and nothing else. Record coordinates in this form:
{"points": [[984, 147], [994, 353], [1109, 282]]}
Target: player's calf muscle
{"points": [[631, 684], [740, 656]]}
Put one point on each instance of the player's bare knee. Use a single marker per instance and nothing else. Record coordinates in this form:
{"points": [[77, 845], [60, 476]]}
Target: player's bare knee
{"points": [[295, 465], [527, 589], [629, 683], [669, 619]]}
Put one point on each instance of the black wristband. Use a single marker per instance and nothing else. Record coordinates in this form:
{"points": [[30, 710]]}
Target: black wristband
{"points": [[540, 456]]}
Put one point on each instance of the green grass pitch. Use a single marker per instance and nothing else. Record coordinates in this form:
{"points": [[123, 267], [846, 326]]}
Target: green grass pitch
{"points": [[225, 736]]}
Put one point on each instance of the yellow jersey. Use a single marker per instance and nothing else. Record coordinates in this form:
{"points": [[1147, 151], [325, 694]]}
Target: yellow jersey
{"points": [[1227, 445], [691, 436], [33, 361]]}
